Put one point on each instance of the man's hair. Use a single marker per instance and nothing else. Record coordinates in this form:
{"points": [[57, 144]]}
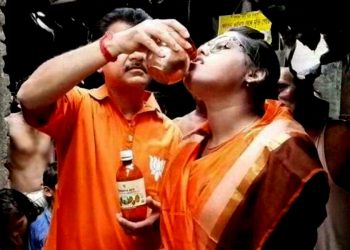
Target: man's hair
{"points": [[263, 57], [50, 176], [309, 108], [14, 204], [128, 15]]}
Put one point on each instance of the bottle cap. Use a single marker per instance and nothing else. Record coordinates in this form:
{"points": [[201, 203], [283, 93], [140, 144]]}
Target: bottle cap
{"points": [[126, 155]]}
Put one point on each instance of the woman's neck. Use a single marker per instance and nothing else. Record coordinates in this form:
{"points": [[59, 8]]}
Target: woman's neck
{"points": [[229, 121]]}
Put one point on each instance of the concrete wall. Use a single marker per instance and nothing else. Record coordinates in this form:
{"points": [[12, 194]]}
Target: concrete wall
{"points": [[4, 102], [329, 84], [334, 85], [345, 91]]}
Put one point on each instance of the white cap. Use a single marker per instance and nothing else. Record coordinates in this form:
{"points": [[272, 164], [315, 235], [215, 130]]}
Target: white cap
{"points": [[126, 155]]}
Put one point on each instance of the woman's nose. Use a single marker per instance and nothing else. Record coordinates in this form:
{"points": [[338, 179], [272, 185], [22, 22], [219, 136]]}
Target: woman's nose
{"points": [[204, 50]]}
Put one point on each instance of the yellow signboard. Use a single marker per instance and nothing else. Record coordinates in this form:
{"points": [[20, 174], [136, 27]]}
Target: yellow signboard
{"points": [[253, 19]]}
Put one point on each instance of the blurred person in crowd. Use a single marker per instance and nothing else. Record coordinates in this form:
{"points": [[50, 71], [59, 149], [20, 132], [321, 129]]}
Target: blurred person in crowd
{"points": [[30, 152], [331, 138], [16, 214], [39, 228]]}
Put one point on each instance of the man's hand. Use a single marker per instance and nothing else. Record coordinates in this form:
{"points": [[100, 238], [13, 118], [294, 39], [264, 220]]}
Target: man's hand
{"points": [[149, 223], [148, 34]]}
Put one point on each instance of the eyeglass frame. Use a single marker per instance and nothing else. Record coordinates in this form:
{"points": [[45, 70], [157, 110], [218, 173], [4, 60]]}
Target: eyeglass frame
{"points": [[230, 41]]}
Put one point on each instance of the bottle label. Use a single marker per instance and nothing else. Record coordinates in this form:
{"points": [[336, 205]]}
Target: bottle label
{"points": [[131, 193]]}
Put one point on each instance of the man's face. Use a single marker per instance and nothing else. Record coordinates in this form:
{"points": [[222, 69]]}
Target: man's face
{"points": [[127, 70], [286, 88]]}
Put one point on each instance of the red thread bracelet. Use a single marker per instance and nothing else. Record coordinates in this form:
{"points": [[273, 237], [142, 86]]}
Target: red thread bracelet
{"points": [[106, 54]]}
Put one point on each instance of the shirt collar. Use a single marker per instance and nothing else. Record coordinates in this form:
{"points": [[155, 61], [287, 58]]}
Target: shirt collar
{"points": [[150, 102], [99, 93]]}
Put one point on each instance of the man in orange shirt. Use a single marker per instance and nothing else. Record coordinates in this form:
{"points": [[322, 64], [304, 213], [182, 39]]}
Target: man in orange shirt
{"points": [[250, 177], [90, 129]]}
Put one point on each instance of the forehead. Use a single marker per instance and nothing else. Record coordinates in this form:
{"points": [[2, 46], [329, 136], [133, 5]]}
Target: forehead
{"points": [[228, 34]]}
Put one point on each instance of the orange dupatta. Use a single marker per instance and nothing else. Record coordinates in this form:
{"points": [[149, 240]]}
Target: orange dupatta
{"points": [[202, 195]]}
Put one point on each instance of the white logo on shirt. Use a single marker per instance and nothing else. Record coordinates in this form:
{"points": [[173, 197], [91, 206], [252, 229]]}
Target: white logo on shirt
{"points": [[157, 166]]}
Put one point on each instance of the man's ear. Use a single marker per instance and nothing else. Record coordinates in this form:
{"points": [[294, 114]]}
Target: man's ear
{"points": [[48, 192], [255, 75]]}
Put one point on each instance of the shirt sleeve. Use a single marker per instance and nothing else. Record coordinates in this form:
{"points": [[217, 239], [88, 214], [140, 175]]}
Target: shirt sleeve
{"points": [[32, 238], [64, 114]]}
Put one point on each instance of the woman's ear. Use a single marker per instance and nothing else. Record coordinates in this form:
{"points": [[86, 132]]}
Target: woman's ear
{"points": [[255, 75], [100, 70]]}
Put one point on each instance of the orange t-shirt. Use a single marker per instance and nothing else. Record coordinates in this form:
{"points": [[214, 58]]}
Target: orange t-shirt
{"points": [[89, 135]]}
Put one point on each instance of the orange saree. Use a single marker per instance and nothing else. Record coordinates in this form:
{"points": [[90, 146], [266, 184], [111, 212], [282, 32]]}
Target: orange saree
{"points": [[238, 195]]}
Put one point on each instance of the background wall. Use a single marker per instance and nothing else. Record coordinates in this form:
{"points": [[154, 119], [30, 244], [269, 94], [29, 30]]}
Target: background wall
{"points": [[4, 102]]}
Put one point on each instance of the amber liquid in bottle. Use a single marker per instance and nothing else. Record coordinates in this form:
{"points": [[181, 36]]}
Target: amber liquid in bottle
{"points": [[131, 189], [171, 68]]}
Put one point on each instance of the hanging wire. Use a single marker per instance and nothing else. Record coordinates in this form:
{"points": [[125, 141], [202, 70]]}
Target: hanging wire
{"points": [[157, 1], [238, 5], [188, 12]]}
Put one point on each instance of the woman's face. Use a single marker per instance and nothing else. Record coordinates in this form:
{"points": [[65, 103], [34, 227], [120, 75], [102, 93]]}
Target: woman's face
{"points": [[221, 65], [17, 229], [286, 88]]}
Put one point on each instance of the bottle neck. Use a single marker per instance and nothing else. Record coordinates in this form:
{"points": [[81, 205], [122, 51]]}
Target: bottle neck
{"points": [[127, 163]]}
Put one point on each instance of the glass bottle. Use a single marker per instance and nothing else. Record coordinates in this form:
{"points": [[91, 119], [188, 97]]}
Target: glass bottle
{"points": [[173, 66], [131, 189]]}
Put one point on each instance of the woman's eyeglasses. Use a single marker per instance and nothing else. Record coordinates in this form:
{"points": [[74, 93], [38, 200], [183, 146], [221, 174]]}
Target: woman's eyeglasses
{"points": [[223, 43], [229, 42]]}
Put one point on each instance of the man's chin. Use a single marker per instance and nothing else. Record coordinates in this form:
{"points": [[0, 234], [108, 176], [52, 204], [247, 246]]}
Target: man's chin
{"points": [[142, 83]]}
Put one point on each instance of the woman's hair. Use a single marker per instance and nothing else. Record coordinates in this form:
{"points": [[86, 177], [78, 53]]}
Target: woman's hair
{"points": [[128, 15], [263, 57], [14, 203]]}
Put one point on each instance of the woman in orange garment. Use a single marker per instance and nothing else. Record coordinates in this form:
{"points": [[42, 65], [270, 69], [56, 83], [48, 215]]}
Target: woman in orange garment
{"points": [[249, 178]]}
